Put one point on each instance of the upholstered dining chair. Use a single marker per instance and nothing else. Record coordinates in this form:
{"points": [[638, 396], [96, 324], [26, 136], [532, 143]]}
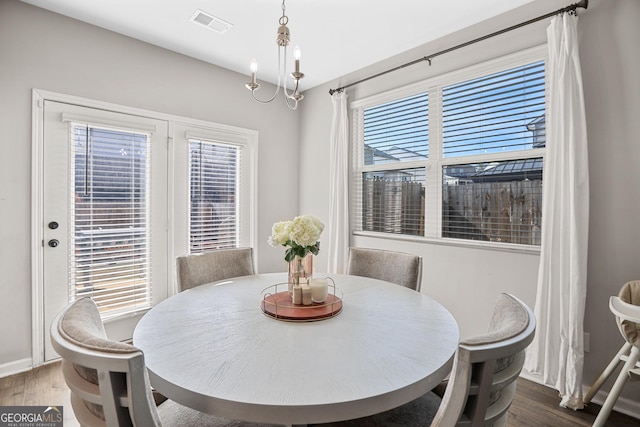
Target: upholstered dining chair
{"points": [[206, 267], [626, 309], [481, 385], [108, 379], [395, 267]]}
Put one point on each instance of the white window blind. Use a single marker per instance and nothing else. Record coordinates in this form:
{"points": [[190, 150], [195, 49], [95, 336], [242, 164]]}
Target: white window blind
{"points": [[110, 229], [493, 202], [390, 195], [478, 133], [214, 183], [397, 131], [500, 200], [393, 201], [495, 113]]}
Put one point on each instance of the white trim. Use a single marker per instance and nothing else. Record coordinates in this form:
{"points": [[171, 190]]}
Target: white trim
{"points": [[94, 121], [37, 236], [215, 135], [491, 66], [435, 162], [471, 244], [623, 405], [39, 96], [253, 194], [172, 286], [15, 367], [117, 108], [533, 153]]}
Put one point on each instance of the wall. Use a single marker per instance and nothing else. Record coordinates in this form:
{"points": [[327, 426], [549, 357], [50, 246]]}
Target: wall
{"points": [[43, 50], [467, 279]]}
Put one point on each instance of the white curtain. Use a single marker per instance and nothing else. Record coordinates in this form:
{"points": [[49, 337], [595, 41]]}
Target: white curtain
{"points": [[338, 236], [557, 352]]}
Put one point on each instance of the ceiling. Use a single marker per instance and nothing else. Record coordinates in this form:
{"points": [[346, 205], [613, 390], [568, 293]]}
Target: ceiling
{"points": [[336, 37]]}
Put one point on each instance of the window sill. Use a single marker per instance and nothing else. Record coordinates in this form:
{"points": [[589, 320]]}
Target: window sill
{"points": [[471, 244]]}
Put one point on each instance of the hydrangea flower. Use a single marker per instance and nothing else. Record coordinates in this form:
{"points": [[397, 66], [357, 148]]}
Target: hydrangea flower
{"points": [[301, 235]]}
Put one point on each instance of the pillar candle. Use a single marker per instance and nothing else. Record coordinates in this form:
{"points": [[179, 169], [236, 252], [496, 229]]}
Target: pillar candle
{"points": [[296, 295], [319, 289], [306, 295]]}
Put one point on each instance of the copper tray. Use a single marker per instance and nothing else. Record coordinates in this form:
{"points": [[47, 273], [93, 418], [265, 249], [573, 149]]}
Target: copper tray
{"points": [[279, 306]]}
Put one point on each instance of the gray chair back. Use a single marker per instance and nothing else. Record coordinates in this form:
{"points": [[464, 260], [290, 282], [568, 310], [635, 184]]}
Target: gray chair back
{"points": [[197, 269], [396, 267], [482, 383], [108, 379]]}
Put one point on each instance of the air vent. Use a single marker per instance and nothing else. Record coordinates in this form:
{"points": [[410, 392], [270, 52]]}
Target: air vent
{"points": [[216, 24]]}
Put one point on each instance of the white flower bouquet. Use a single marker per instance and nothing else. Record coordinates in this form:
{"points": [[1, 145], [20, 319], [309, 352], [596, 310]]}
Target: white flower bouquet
{"points": [[301, 235]]}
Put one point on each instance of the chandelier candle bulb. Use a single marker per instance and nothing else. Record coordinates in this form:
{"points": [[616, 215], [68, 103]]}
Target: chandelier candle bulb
{"points": [[296, 55], [254, 69], [319, 290]]}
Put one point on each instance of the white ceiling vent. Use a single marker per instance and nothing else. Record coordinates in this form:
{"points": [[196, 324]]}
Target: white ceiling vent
{"points": [[216, 24]]}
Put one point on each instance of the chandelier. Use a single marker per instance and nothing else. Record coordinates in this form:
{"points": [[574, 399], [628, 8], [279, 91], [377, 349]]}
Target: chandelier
{"points": [[283, 41]]}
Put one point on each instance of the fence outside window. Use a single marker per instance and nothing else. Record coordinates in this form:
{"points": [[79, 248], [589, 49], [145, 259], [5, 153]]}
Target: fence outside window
{"points": [[458, 157]]}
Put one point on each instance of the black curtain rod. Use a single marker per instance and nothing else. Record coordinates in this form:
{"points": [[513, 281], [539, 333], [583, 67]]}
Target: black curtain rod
{"points": [[571, 8]]}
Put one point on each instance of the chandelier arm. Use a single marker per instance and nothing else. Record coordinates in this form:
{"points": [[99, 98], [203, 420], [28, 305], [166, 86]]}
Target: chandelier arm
{"points": [[265, 101], [293, 93], [253, 92], [284, 73], [291, 106]]}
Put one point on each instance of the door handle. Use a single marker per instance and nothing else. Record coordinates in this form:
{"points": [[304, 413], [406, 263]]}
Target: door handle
{"points": [[53, 243]]}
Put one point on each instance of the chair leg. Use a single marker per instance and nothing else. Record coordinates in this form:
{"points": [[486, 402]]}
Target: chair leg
{"points": [[606, 373], [601, 419]]}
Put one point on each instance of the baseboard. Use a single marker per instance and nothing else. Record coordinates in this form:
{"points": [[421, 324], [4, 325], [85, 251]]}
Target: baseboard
{"points": [[15, 367], [623, 405]]}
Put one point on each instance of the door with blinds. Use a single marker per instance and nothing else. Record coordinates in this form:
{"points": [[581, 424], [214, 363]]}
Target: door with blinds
{"points": [[104, 214]]}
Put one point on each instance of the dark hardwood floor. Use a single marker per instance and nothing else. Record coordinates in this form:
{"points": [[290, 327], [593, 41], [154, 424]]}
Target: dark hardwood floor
{"points": [[534, 405], [537, 405]]}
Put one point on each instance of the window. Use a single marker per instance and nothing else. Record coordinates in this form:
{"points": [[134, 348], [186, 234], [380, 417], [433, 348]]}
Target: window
{"points": [[459, 156], [497, 201], [215, 177], [110, 256], [392, 201], [119, 193], [213, 185], [396, 134]]}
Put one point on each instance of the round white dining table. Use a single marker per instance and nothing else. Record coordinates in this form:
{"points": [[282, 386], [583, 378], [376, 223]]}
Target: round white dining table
{"points": [[213, 349]]}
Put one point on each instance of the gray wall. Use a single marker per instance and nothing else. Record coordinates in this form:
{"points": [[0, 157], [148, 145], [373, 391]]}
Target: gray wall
{"points": [[39, 49], [467, 279], [42, 50]]}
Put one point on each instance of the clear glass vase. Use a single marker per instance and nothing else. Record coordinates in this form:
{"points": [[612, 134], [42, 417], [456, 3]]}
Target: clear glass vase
{"points": [[300, 270]]}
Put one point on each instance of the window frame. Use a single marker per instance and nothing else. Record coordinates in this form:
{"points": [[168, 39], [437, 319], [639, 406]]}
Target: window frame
{"points": [[436, 161], [175, 191], [246, 140]]}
